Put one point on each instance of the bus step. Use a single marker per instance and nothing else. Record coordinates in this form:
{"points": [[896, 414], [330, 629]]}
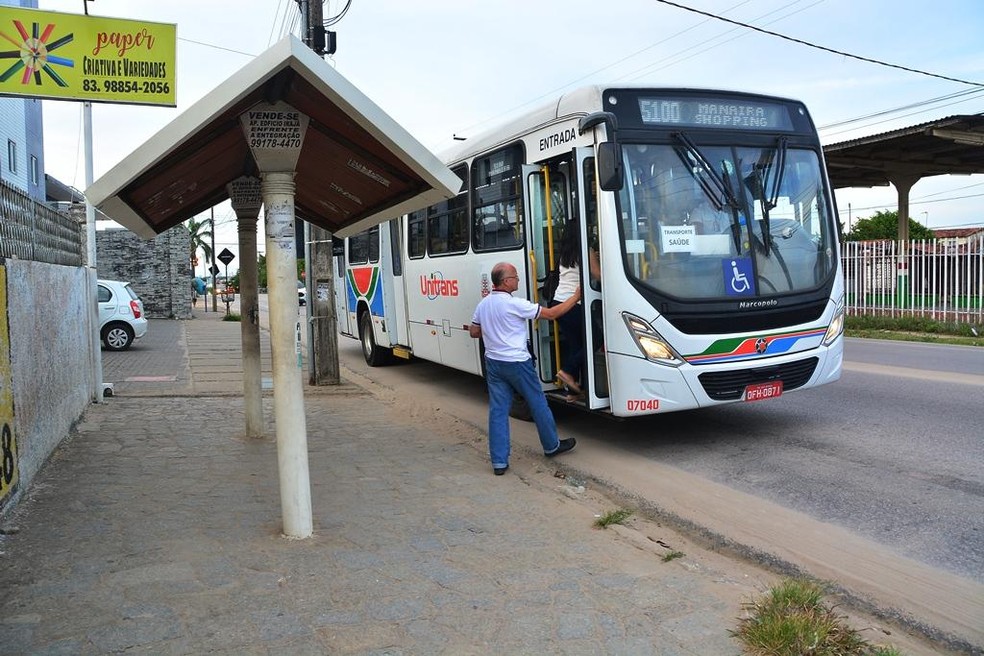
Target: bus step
{"points": [[402, 352]]}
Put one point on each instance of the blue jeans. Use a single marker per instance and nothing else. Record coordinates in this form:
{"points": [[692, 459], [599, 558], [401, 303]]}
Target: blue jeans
{"points": [[572, 336], [504, 378]]}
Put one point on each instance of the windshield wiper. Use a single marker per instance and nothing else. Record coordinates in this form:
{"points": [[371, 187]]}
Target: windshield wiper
{"points": [[762, 172], [717, 188]]}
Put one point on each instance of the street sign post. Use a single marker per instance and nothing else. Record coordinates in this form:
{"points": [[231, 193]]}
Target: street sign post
{"points": [[229, 293]]}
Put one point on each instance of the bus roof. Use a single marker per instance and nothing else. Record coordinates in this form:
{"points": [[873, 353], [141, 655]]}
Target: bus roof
{"points": [[574, 104], [577, 103]]}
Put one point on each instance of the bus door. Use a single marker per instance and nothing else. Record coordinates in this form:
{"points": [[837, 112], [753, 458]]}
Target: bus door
{"points": [[544, 221], [341, 297], [595, 374]]}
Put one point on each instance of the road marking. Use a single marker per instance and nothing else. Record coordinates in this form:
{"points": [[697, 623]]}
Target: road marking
{"points": [[920, 374], [150, 379]]}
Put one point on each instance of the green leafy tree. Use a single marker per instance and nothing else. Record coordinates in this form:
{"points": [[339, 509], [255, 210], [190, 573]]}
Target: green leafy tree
{"points": [[885, 225], [261, 270], [201, 233]]}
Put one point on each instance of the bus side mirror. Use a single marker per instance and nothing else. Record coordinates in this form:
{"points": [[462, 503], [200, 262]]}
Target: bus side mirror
{"points": [[610, 166]]}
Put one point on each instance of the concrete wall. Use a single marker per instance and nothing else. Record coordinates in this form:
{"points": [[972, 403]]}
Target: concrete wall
{"points": [[45, 346], [49, 361], [159, 269]]}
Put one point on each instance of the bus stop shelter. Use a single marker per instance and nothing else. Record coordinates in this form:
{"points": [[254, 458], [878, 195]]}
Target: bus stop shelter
{"points": [[295, 135]]}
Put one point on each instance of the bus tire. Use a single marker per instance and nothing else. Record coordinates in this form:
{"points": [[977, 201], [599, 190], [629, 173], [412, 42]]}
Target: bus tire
{"points": [[374, 354]]}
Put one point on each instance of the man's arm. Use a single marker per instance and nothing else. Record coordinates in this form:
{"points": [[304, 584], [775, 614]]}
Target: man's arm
{"points": [[551, 313], [475, 330]]}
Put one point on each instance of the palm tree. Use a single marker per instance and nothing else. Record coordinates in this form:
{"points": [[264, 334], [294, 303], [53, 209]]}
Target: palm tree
{"points": [[201, 232]]}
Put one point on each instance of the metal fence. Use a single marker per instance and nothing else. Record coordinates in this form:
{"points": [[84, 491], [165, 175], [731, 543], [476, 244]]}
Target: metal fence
{"points": [[30, 230], [942, 280]]}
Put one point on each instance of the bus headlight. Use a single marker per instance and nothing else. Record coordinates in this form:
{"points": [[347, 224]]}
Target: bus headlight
{"points": [[836, 326], [652, 345]]}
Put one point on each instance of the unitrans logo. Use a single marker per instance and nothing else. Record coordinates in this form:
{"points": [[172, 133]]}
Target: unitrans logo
{"points": [[436, 285]]}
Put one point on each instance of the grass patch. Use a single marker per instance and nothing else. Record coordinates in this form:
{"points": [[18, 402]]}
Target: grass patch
{"points": [[673, 555], [914, 329], [791, 619], [232, 316], [613, 517]]}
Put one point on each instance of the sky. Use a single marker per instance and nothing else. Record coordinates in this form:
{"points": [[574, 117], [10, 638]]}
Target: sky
{"points": [[442, 68]]}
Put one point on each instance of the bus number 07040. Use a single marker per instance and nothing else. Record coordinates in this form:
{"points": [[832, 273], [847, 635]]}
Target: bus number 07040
{"points": [[642, 405]]}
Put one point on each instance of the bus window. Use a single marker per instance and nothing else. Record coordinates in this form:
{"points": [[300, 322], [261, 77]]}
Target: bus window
{"points": [[373, 244], [359, 248], [416, 241], [395, 247], [447, 221], [497, 221], [364, 247], [591, 212]]}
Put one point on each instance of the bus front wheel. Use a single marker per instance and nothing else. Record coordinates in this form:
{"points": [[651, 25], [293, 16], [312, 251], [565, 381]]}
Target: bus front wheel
{"points": [[374, 354]]}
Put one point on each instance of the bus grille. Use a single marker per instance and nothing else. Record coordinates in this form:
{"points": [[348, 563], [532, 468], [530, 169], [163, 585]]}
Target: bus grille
{"points": [[730, 385]]}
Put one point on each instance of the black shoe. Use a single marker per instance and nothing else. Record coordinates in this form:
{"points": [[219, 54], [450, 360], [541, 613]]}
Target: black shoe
{"points": [[499, 471], [565, 445]]}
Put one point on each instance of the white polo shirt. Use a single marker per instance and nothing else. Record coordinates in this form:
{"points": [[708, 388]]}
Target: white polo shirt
{"points": [[503, 320]]}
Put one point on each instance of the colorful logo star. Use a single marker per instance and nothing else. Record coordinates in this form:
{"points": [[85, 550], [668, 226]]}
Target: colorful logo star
{"points": [[33, 54]]}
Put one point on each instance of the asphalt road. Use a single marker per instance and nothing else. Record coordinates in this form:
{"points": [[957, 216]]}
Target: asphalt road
{"points": [[897, 457], [892, 452]]}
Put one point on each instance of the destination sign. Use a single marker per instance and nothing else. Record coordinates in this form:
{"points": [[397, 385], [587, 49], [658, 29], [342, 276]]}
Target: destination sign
{"points": [[715, 113]]}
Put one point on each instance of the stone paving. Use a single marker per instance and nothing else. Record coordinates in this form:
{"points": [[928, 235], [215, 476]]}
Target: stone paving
{"points": [[155, 529]]}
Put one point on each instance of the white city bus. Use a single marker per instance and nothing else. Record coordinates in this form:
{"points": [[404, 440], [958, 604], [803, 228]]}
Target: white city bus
{"points": [[741, 299]]}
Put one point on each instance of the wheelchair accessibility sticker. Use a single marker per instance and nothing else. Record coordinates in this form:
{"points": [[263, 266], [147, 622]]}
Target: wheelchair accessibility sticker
{"points": [[738, 277]]}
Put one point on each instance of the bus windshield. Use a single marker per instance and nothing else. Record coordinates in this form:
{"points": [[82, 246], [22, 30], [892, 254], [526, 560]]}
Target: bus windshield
{"points": [[718, 222]]}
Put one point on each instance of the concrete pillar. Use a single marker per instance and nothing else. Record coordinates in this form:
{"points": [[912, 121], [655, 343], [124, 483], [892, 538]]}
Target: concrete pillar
{"points": [[244, 193], [288, 391], [274, 133], [903, 184]]}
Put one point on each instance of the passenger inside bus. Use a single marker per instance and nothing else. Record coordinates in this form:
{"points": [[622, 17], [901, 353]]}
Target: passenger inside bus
{"points": [[572, 323]]}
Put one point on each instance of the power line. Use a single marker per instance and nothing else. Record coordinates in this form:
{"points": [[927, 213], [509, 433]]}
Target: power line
{"points": [[555, 91], [921, 111], [212, 45], [921, 103], [819, 47], [700, 47], [328, 22], [911, 203]]}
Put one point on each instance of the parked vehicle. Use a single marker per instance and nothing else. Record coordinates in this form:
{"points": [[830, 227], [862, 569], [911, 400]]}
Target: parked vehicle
{"points": [[301, 293], [121, 315]]}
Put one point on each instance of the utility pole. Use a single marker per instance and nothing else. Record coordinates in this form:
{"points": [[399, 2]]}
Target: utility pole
{"points": [[322, 332]]}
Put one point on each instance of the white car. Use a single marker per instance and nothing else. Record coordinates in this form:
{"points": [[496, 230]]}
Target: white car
{"points": [[121, 315], [301, 293]]}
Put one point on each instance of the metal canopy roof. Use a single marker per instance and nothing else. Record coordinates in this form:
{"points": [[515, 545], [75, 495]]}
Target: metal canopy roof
{"points": [[949, 145], [357, 166]]}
